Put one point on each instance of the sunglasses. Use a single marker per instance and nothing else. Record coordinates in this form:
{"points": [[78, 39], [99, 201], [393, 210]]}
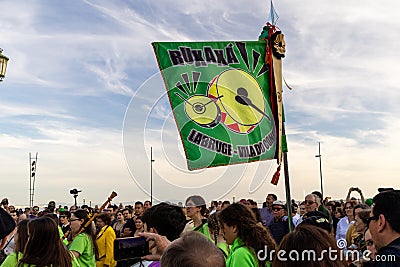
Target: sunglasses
{"points": [[348, 208], [277, 209], [368, 220], [62, 216], [310, 202]]}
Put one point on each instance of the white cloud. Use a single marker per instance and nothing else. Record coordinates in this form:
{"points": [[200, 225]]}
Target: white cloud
{"points": [[341, 61]]}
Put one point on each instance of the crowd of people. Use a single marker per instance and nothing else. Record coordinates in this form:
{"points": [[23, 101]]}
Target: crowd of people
{"points": [[312, 232]]}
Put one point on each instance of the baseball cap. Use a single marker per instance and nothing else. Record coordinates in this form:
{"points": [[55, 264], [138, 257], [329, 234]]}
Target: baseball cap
{"points": [[317, 218], [278, 203], [369, 201]]}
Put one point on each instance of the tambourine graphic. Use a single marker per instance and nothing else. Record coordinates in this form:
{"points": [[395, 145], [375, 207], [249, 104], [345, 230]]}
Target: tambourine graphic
{"points": [[234, 98], [203, 111], [241, 100]]}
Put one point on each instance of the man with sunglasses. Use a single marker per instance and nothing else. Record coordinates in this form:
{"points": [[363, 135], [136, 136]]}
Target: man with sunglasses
{"points": [[384, 225], [280, 225]]}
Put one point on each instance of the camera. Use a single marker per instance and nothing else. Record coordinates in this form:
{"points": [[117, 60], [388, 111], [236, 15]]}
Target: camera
{"points": [[74, 191], [130, 248]]}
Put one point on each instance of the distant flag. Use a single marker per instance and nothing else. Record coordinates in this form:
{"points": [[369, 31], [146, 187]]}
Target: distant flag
{"points": [[273, 16]]}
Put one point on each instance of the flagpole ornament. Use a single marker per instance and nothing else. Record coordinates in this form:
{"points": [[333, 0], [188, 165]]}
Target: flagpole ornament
{"points": [[3, 65]]}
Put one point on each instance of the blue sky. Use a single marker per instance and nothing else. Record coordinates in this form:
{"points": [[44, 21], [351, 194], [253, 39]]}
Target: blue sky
{"points": [[83, 90]]}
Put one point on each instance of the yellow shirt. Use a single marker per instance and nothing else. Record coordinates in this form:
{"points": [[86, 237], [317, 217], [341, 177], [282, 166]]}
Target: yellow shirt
{"points": [[105, 243], [351, 234]]}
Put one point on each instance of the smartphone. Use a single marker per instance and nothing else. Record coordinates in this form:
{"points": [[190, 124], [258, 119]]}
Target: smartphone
{"points": [[130, 248]]}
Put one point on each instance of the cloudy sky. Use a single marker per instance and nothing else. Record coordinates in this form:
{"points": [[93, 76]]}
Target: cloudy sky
{"points": [[83, 90]]}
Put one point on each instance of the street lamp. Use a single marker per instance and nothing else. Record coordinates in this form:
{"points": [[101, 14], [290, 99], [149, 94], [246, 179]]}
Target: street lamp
{"points": [[320, 166], [3, 65], [151, 174]]}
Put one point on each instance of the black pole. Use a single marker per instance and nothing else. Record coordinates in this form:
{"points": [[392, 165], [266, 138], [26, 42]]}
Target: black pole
{"points": [[287, 185], [151, 174], [320, 168]]}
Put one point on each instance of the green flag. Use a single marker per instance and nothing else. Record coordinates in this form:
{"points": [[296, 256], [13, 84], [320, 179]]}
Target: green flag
{"points": [[220, 96]]}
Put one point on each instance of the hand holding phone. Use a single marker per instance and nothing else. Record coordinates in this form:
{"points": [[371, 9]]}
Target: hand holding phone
{"points": [[130, 248]]}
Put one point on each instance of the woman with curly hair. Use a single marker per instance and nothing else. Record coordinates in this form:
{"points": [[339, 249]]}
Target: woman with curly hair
{"points": [[83, 245], [246, 237]]}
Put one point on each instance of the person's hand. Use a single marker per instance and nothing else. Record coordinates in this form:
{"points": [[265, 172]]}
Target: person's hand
{"points": [[159, 242]]}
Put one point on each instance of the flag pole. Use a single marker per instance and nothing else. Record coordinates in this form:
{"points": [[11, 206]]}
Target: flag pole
{"points": [[287, 184]]}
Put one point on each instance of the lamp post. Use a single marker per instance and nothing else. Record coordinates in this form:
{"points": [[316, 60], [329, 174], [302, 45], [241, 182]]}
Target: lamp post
{"points": [[320, 166], [3, 65], [32, 177], [151, 174]]}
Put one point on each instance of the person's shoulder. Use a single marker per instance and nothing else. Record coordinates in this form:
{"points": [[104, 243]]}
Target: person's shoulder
{"points": [[392, 248], [11, 260]]}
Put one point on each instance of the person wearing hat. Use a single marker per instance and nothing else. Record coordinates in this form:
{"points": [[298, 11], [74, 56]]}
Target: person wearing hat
{"points": [[280, 225], [196, 210], [318, 219]]}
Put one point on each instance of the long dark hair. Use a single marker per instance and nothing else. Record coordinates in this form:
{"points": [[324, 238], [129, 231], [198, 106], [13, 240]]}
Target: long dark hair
{"points": [[44, 246], [309, 238], [22, 236], [254, 236], [90, 230]]}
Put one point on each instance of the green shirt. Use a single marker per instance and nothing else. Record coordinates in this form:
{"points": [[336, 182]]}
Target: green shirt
{"points": [[12, 261], [204, 230], [84, 246], [241, 256], [65, 241]]}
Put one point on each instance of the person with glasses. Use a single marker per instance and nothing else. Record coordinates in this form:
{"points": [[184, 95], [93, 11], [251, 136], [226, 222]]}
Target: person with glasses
{"points": [[369, 243], [83, 244], [35, 212], [280, 225], [352, 231], [196, 210], [384, 225], [343, 224], [64, 221], [312, 202], [105, 240]]}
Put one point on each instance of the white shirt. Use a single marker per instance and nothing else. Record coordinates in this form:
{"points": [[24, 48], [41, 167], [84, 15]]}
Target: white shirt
{"points": [[295, 219], [342, 227]]}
